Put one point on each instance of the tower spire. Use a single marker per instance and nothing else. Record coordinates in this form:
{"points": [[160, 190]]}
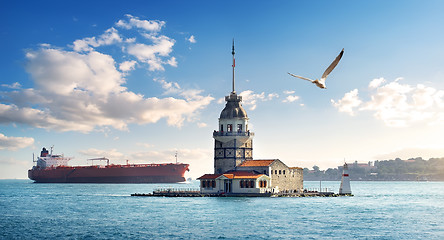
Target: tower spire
{"points": [[234, 64]]}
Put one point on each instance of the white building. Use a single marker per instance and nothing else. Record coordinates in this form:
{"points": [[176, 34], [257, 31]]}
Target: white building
{"points": [[235, 182]]}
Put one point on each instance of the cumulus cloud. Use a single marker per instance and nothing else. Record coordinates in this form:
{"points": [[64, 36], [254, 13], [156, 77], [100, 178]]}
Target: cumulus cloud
{"points": [[348, 102], [249, 98], [14, 143], [290, 98], [397, 104], [156, 54], [83, 89], [135, 22], [127, 66], [191, 39], [376, 82], [110, 36]]}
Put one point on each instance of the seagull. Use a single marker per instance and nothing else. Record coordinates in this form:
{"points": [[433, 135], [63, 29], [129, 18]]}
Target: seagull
{"points": [[321, 83]]}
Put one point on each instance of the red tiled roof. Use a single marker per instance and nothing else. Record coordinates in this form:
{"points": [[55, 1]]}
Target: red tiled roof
{"points": [[256, 163], [242, 174], [209, 176]]}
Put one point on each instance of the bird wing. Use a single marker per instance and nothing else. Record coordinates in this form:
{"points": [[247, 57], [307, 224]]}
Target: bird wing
{"points": [[308, 79], [332, 66]]}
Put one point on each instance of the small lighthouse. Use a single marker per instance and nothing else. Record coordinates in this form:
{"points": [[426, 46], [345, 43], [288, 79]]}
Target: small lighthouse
{"points": [[345, 182]]}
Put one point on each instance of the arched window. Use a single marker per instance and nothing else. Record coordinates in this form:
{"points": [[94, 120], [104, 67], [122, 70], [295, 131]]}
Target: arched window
{"points": [[229, 127], [265, 184], [213, 183]]}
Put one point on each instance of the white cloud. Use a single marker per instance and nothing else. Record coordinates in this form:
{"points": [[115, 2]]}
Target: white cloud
{"points": [[148, 25], [83, 90], [191, 39], [397, 104], [348, 102], [169, 87], [63, 72], [249, 98], [15, 85], [110, 36], [288, 92], [127, 66], [153, 54], [14, 143], [291, 98], [376, 82]]}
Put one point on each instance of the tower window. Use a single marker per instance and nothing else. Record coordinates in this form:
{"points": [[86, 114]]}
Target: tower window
{"points": [[221, 127], [229, 127], [239, 128]]}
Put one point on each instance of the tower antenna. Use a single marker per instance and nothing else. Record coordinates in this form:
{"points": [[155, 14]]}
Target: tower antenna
{"points": [[234, 64]]}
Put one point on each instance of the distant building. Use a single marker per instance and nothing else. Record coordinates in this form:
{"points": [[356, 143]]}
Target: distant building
{"points": [[355, 164], [235, 171]]}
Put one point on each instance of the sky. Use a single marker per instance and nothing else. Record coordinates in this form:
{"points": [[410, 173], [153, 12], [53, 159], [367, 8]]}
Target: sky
{"points": [[142, 80]]}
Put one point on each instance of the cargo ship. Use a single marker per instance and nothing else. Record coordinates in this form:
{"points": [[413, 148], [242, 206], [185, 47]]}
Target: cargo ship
{"points": [[52, 168]]}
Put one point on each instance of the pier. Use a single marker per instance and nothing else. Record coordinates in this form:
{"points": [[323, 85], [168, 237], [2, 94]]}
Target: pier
{"points": [[171, 192]]}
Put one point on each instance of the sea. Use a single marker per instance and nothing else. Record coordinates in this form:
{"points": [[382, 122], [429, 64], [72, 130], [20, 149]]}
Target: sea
{"points": [[378, 210]]}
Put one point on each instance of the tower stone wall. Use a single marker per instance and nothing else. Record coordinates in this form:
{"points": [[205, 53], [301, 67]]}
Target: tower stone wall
{"points": [[233, 142]]}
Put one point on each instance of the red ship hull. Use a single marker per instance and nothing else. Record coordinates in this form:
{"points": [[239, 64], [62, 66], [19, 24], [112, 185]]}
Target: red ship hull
{"points": [[134, 173]]}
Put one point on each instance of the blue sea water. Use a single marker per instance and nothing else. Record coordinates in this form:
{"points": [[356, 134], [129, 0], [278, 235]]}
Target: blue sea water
{"points": [[379, 210]]}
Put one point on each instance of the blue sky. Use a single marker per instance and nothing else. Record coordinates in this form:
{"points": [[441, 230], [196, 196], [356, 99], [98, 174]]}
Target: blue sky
{"points": [[139, 80]]}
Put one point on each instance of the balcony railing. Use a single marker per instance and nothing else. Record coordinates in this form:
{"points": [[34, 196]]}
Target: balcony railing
{"points": [[242, 134]]}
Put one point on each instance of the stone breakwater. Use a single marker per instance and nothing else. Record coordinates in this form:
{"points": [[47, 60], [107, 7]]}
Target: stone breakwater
{"points": [[197, 193]]}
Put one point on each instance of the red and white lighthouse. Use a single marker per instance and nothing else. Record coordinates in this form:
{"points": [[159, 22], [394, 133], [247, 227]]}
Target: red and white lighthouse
{"points": [[345, 182]]}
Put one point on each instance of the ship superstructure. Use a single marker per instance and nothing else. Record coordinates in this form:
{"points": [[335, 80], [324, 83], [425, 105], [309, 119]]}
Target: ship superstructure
{"points": [[49, 160]]}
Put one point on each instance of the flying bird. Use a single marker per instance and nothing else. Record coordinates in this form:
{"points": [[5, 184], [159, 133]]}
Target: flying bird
{"points": [[321, 83]]}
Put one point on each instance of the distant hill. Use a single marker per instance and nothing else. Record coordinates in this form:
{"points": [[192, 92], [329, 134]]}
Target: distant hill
{"points": [[414, 169]]}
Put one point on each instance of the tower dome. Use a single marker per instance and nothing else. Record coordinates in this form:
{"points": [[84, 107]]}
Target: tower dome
{"points": [[233, 108]]}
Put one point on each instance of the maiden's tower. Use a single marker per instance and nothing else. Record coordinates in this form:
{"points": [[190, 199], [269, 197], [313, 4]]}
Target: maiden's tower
{"points": [[235, 171]]}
